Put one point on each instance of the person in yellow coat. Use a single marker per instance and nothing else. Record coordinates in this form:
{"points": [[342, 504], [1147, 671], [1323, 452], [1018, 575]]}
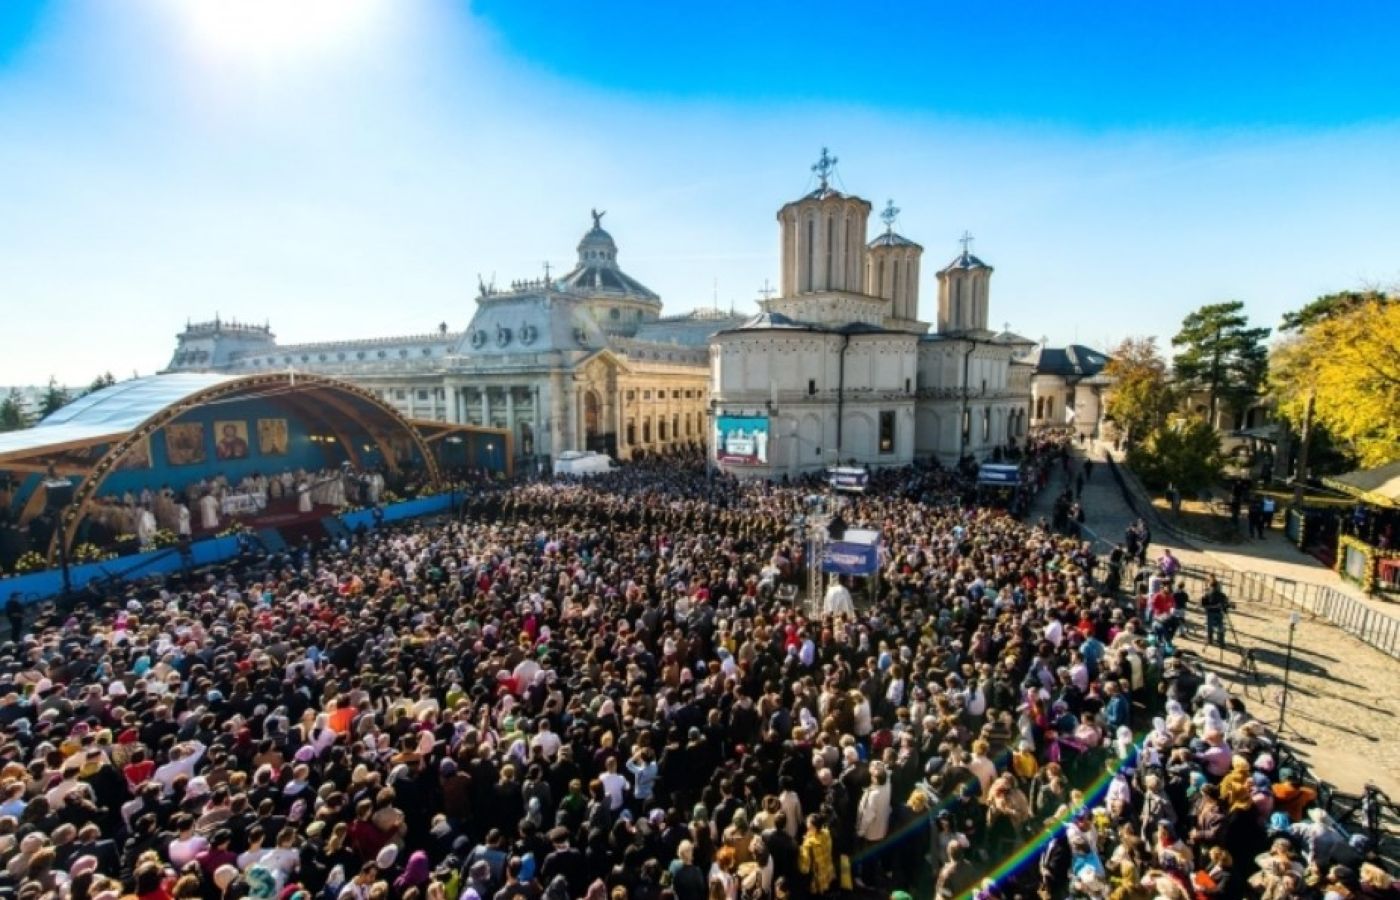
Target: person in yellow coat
{"points": [[814, 857]]}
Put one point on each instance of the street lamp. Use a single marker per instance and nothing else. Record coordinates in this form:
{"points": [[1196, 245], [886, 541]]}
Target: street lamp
{"points": [[711, 447], [58, 494], [1287, 671]]}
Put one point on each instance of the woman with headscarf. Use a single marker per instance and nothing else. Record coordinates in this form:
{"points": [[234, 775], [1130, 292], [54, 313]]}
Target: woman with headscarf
{"points": [[415, 873], [262, 883]]}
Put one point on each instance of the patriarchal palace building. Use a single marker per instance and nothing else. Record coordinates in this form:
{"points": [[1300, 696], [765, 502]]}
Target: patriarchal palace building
{"points": [[837, 367]]}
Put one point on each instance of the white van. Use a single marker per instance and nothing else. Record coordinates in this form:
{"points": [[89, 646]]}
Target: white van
{"points": [[582, 462]]}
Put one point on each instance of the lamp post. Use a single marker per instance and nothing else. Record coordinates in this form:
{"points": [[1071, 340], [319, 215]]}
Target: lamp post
{"points": [[711, 446], [58, 493], [1287, 671], [456, 441]]}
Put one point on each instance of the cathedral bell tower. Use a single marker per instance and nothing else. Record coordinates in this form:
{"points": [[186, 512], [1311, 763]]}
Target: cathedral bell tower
{"points": [[963, 293], [823, 238], [892, 269]]}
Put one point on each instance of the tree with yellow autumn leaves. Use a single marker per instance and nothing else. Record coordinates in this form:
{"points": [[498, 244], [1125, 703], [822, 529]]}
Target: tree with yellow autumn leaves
{"points": [[1339, 367]]}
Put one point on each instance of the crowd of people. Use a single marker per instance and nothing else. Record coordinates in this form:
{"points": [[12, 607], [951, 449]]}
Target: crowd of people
{"points": [[201, 506], [617, 689]]}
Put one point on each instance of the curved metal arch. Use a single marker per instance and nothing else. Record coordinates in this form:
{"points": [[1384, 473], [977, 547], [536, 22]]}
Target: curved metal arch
{"points": [[87, 490]]}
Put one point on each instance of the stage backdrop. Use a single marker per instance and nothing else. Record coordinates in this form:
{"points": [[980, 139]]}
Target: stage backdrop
{"points": [[299, 451]]}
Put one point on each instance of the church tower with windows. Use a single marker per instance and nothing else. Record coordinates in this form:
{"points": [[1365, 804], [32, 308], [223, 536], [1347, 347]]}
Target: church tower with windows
{"points": [[892, 272], [963, 291], [823, 239]]}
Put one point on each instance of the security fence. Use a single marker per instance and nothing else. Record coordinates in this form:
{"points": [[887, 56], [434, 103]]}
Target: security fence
{"points": [[1358, 619]]}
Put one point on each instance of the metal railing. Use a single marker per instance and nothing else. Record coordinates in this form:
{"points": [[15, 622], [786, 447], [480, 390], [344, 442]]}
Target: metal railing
{"points": [[1358, 619]]}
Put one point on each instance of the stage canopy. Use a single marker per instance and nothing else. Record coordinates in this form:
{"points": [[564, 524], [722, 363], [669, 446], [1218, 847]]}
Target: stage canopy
{"points": [[265, 420]]}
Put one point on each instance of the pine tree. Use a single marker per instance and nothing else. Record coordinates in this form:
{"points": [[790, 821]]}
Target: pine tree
{"points": [[106, 379], [55, 398], [14, 413], [1221, 355]]}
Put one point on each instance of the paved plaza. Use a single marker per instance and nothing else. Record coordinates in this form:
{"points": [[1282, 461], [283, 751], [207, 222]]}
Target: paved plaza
{"points": [[1344, 696]]}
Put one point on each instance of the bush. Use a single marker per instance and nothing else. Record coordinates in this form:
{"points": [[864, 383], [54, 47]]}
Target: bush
{"points": [[1186, 455]]}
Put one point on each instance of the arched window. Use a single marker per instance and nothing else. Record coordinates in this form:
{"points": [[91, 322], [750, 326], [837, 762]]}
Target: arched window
{"points": [[957, 303], [646, 431], [811, 253], [830, 252]]}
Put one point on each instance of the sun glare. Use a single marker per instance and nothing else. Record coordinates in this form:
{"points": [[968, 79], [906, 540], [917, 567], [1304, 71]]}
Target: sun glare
{"points": [[273, 31]]}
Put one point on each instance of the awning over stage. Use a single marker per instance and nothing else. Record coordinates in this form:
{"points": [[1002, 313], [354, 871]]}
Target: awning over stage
{"points": [[91, 437]]}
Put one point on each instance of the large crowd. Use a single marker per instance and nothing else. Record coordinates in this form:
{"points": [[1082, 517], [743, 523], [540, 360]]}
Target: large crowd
{"points": [[618, 689]]}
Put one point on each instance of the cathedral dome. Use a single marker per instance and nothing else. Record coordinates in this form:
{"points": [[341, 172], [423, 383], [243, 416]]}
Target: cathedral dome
{"points": [[597, 273], [597, 247]]}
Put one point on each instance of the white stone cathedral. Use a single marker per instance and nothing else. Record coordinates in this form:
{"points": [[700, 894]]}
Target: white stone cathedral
{"points": [[839, 368]]}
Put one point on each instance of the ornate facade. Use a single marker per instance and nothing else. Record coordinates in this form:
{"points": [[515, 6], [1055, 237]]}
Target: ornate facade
{"points": [[580, 361], [840, 369]]}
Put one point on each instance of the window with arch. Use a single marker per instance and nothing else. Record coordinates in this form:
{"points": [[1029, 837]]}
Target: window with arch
{"points": [[830, 252], [614, 314], [986, 423], [646, 431], [811, 252], [661, 430]]}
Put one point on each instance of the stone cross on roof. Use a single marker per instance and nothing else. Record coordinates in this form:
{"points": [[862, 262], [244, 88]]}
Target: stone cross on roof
{"points": [[965, 240]]}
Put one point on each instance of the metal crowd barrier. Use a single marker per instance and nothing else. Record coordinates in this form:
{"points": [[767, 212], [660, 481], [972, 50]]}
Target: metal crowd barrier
{"points": [[1363, 622]]}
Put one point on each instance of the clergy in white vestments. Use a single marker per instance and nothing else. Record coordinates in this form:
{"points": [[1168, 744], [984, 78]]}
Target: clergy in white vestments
{"points": [[208, 512], [146, 528], [838, 600], [303, 497], [182, 520]]}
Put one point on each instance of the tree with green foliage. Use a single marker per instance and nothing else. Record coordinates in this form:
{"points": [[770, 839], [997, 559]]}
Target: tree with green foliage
{"points": [[1331, 306], [55, 398], [14, 412], [1185, 454], [1141, 396], [106, 379], [1221, 355], [1340, 370]]}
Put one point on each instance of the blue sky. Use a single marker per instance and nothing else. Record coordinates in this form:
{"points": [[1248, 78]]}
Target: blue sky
{"points": [[347, 168]]}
